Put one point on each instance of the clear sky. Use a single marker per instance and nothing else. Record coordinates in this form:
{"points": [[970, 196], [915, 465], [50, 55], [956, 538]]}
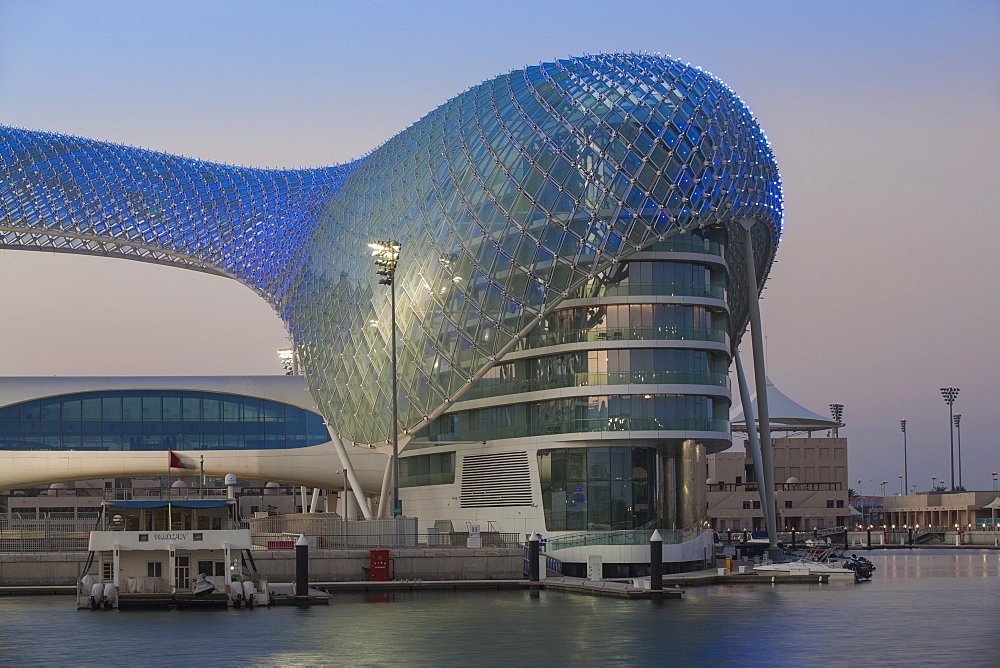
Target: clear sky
{"points": [[884, 116]]}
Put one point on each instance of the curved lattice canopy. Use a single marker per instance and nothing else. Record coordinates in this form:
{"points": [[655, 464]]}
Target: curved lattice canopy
{"points": [[503, 199]]}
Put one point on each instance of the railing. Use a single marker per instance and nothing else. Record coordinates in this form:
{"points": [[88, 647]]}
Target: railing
{"points": [[164, 493], [545, 339], [46, 535], [634, 537], [588, 379], [649, 289], [779, 486], [585, 426], [280, 533]]}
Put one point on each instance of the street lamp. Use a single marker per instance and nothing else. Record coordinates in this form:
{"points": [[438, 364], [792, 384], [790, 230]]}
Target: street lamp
{"points": [[837, 411], [386, 254], [950, 394], [901, 484], [861, 502], [994, 481], [906, 467], [957, 420], [933, 483]]}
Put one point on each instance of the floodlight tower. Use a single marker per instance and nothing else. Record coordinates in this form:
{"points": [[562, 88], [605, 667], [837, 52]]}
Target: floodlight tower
{"points": [[906, 469], [950, 394], [837, 411], [386, 254], [957, 420]]}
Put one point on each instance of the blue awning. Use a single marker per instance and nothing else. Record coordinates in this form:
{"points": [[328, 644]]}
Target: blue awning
{"points": [[179, 503]]}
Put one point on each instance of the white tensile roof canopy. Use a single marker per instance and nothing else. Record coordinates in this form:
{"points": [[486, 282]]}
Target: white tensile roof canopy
{"points": [[785, 414]]}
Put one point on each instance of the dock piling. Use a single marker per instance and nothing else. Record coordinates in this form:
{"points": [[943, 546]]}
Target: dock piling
{"points": [[302, 566], [656, 561]]}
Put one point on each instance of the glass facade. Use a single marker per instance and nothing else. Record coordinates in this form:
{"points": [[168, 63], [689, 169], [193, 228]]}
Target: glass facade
{"points": [[433, 469], [524, 191], [157, 420], [598, 489]]}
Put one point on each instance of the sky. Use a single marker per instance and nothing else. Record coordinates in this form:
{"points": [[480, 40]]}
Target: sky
{"points": [[884, 117]]}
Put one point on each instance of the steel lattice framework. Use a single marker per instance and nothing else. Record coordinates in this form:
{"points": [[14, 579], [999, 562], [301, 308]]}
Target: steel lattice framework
{"points": [[504, 199]]}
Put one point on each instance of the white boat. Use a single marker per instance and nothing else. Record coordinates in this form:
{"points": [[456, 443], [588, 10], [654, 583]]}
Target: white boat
{"points": [[813, 568], [176, 552]]}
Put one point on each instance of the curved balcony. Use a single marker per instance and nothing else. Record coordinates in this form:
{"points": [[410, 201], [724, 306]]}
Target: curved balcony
{"points": [[544, 339], [585, 425], [588, 379], [650, 289]]}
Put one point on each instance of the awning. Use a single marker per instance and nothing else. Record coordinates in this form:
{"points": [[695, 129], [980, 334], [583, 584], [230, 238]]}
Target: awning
{"points": [[179, 503], [995, 503]]}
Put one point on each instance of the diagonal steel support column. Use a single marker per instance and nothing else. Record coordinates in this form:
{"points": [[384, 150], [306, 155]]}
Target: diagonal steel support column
{"points": [[760, 377], [383, 499], [751, 422], [359, 494]]}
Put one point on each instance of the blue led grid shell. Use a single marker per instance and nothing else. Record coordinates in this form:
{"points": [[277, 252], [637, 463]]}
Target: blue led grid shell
{"points": [[504, 199]]}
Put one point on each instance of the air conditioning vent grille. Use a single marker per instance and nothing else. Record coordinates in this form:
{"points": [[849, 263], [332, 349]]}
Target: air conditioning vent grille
{"points": [[496, 480]]}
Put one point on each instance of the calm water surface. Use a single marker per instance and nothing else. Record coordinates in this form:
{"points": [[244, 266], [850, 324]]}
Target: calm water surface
{"points": [[922, 608]]}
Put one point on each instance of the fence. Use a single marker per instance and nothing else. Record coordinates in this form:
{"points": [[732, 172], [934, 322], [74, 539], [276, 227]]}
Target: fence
{"points": [[333, 532], [268, 533], [45, 535], [631, 537]]}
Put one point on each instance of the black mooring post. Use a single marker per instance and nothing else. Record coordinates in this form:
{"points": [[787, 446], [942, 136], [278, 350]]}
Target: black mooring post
{"points": [[533, 545], [302, 566], [909, 536], [869, 538], [656, 561]]}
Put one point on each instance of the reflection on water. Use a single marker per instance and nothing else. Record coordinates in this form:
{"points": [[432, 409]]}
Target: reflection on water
{"points": [[923, 607]]}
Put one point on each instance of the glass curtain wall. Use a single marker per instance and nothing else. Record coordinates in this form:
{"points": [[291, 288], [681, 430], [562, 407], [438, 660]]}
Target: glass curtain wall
{"points": [[157, 420]]}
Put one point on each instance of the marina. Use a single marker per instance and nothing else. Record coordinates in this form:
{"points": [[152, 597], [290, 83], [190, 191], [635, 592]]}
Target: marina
{"points": [[933, 607]]}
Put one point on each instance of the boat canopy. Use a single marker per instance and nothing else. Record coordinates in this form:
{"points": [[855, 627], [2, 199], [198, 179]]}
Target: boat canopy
{"points": [[179, 503]]}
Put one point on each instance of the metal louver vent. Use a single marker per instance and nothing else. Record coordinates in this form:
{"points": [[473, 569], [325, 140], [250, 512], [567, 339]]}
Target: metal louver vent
{"points": [[496, 480]]}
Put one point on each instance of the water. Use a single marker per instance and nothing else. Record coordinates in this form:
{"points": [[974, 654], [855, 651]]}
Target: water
{"points": [[922, 607]]}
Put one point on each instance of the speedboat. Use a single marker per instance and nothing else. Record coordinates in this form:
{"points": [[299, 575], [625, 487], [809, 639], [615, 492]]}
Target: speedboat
{"points": [[813, 568]]}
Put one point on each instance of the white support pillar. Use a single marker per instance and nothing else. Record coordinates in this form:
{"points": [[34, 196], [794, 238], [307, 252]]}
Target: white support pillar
{"points": [[171, 569], [750, 418], [383, 499], [760, 376], [315, 500], [303, 493], [116, 565], [345, 461]]}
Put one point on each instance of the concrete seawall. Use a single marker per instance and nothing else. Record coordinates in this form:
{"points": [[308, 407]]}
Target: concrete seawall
{"points": [[452, 563]]}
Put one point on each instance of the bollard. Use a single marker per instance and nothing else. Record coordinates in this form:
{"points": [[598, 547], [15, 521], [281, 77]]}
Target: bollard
{"points": [[656, 561], [533, 557], [302, 566], [729, 564]]}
